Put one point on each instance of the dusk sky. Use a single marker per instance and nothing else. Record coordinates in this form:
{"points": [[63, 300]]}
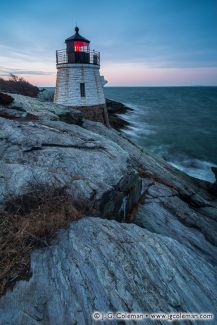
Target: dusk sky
{"points": [[142, 42]]}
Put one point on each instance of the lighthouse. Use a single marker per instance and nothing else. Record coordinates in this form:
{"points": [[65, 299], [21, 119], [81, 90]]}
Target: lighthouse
{"points": [[78, 83]]}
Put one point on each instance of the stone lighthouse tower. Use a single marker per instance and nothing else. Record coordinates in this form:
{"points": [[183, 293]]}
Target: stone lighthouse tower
{"points": [[79, 84]]}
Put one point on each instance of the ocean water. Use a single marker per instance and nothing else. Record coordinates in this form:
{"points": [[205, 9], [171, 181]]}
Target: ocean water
{"points": [[177, 123]]}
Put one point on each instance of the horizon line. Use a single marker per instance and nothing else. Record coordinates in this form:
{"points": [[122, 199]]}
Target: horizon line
{"points": [[154, 86]]}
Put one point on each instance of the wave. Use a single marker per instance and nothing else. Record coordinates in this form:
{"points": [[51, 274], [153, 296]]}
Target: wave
{"points": [[136, 131], [141, 109], [130, 105], [137, 127], [200, 169], [174, 123], [194, 167]]}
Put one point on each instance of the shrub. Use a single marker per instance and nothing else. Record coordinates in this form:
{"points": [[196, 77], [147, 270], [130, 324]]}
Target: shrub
{"points": [[18, 85], [29, 221]]}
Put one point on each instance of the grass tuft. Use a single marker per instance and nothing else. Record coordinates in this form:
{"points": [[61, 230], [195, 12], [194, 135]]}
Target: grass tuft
{"points": [[31, 221]]}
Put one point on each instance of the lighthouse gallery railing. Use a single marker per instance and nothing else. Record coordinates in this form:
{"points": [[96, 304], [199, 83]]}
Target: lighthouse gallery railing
{"points": [[89, 57]]}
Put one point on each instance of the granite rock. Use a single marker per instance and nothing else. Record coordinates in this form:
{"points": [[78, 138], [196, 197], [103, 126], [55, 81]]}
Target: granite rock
{"points": [[53, 152], [39, 109], [102, 265], [164, 260]]}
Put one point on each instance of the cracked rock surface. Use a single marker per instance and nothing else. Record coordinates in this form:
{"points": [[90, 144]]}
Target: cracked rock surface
{"points": [[53, 152], [163, 261], [28, 108], [105, 265]]}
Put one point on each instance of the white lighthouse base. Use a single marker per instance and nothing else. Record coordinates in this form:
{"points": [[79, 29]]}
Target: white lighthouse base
{"points": [[68, 92], [69, 77]]}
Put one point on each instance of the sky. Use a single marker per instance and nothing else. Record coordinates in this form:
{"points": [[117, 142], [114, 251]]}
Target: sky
{"points": [[142, 42]]}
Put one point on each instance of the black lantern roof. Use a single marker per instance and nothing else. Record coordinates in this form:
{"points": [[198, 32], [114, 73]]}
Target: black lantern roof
{"points": [[77, 37]]}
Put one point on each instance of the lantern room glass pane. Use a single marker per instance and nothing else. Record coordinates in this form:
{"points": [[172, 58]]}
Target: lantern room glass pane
{"points": [[80, 46]]}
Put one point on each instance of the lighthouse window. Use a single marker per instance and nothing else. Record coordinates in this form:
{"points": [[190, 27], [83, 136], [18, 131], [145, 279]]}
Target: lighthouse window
{"points": [[82, 89]]}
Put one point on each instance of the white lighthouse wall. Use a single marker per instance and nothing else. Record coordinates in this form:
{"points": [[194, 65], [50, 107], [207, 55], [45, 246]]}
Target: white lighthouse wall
{"points": [[69, 77]]}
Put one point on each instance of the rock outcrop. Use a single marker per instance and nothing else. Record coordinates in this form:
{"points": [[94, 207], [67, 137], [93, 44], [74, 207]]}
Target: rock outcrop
{"points": [[27, 108], [53, 152], [163, 260], [114, 110], [107, 266]]}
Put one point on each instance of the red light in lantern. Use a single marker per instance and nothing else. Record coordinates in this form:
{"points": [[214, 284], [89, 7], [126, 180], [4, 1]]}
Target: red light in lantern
{"points": [[78, 45]]}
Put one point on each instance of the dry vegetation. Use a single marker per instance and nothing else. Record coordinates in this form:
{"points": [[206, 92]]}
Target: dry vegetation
{"points": [[18, 85], [5, 99], [31, 221]]}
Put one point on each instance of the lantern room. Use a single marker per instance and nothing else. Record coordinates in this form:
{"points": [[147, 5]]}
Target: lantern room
{"points": [[77, 48], [77, 51], [77, 43]]}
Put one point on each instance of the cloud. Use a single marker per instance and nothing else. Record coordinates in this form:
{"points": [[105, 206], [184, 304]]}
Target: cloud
{"points": [[142, 75], [6, 71]]}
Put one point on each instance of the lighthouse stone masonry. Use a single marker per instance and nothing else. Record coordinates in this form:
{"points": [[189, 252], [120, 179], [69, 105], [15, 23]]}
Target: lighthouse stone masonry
{"points": [[79, 84]]}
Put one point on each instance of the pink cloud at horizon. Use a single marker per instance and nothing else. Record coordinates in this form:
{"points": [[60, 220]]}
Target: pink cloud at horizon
{"points": [[140, 75], [41, 80]]}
